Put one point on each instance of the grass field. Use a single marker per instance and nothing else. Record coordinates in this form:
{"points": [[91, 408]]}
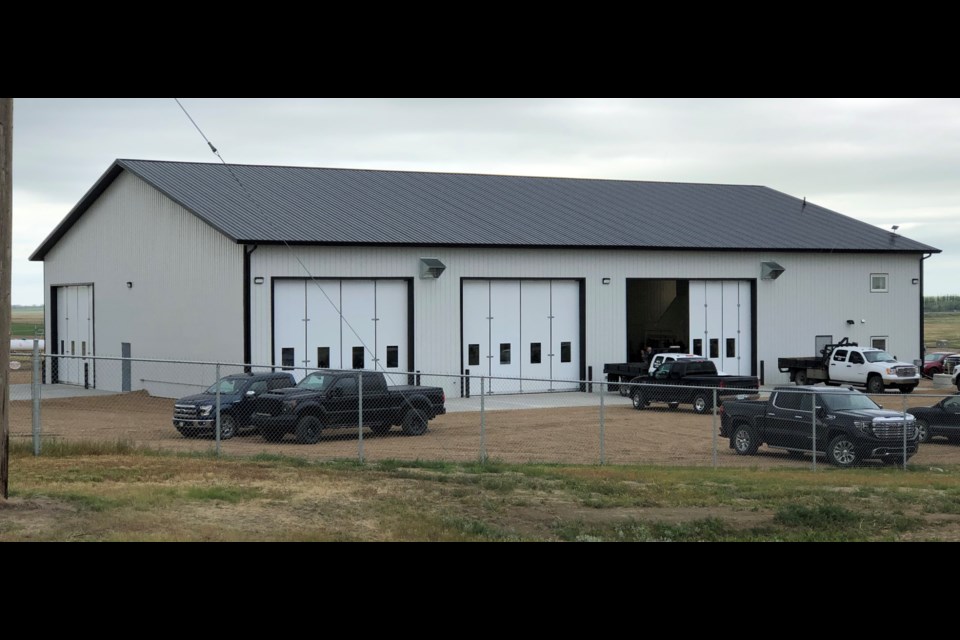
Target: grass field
{"points": [[26, 322], [113, 493], [942, 327]]}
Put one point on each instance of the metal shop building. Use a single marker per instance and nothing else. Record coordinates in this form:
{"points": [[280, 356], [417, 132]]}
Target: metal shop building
{"points": [[504, 276]]}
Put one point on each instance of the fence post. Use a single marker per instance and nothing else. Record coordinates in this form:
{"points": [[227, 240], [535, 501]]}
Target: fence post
{"points": [[35, 395], [904, 432], [360, 414], [466, 384], [716, 433], [603, 425], [813, 445], [483, 421], [218, 410]]}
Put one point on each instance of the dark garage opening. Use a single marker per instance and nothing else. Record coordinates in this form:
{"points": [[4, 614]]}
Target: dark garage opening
{"points": [[658, 316]]}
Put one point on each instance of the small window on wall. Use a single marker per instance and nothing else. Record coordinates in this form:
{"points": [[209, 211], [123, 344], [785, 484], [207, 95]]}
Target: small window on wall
{"points": [[474, 352], [323, 358], [358, 357], [715, 348], [698, 348], [393, 357], [536, 353], [566, 352], [505, 354], [287, 358], [731, 347], [879, 283], [879, 343]]}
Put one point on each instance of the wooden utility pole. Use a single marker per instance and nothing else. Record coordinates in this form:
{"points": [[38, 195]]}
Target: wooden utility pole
{"points": [[6, 243]]}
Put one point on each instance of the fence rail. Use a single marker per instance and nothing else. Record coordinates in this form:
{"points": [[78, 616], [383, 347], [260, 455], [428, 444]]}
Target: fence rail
{"points": [[180, 406]]}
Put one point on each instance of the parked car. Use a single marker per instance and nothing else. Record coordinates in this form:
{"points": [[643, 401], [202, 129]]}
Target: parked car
{"points": [[850, 426], [239, 398], [952, 363], [933, 363], [942, 420]]}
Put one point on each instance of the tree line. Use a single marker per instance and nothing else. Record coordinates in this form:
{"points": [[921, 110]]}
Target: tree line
{"points": [[942, 304]]}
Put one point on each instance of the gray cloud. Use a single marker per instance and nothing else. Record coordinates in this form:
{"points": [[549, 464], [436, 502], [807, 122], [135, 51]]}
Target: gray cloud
{"points": [[881, 160]]}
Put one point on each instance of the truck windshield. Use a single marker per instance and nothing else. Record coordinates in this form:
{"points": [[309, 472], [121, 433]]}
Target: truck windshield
{"points": [[226, 387], [847, 402], [879, 356], [315, 382]]}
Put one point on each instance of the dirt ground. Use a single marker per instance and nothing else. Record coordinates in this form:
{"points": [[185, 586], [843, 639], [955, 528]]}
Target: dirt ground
{"points": [[567, 435]]}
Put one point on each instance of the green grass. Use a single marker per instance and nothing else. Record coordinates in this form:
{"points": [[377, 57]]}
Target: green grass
{"points": [[114, 493], [942, 327]]}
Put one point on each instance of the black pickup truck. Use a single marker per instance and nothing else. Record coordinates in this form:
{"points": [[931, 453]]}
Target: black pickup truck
{"points": [[332, 399], [850, 427], [239, 398], [689, 381]]}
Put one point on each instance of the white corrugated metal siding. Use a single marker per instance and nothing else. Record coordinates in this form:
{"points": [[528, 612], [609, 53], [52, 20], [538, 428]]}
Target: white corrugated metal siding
{"points": [[816, 295], [186, 300]]}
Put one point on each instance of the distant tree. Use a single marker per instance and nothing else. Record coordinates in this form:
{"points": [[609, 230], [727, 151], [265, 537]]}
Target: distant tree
{"points": [[942, 304]]}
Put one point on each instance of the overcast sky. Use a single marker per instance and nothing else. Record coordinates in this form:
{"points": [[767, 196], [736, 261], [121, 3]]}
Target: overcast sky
{"points": [[885, 161]]}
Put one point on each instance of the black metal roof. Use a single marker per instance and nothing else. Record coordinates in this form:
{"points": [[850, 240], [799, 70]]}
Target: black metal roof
{"points": [[310, 206]]}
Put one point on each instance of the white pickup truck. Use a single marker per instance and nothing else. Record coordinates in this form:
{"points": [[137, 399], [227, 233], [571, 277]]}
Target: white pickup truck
{"points": [[848, 363]]}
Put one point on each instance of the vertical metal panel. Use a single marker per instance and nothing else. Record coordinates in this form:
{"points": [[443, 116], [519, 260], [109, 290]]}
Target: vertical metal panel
{"points": [[535, 321], [392, 328], [565, 329], [505, 335], [359, 323], [323, 327]]}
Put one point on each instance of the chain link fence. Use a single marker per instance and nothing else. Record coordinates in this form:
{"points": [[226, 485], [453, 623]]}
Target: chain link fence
{"points": [[237, 410]]}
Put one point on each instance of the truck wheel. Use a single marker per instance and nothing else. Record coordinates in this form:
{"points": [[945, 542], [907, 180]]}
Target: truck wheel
{"points": [[414, 423], [309, 429], [640, 401], [701, 404], [624, 390], [841, 452], [907, 390], [923, 431], [228, 427], [744, 441], [875, 385], [800, 378]]}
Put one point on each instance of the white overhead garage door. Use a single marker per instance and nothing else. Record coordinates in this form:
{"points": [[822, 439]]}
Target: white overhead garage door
{"points": [[523, 333], [721, 326], [371, 333], [75, 334]]}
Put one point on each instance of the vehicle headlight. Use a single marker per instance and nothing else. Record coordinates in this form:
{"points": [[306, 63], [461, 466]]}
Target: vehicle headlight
{"points": [[289, 406], [891, 372], [864, 427], [206, 410]]}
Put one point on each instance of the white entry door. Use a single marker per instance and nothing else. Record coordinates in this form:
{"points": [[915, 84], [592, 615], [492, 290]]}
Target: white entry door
{"points": [[721, 327], [75, 334], [341, 325], [522, 334]]}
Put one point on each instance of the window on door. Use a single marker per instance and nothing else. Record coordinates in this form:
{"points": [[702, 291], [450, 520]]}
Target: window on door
{"points": [[358, 357], [505, 354], [566, 352], [536, 353], [287, 358], [474, 355], [393, 357], [323, 358]]}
